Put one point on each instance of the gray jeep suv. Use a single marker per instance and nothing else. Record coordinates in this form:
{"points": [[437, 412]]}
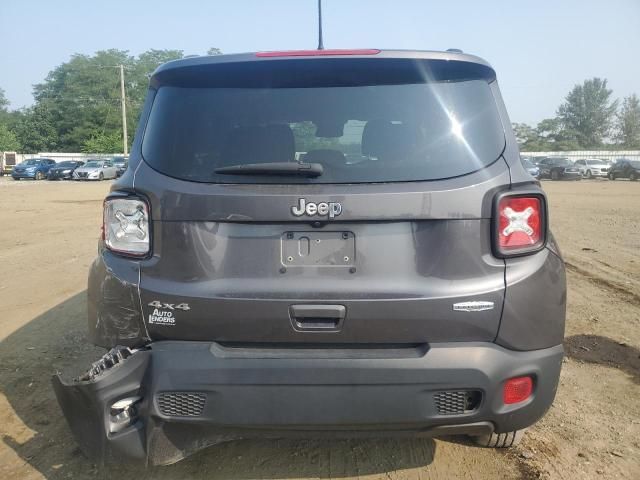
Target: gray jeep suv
{"points": [[330, 242]]}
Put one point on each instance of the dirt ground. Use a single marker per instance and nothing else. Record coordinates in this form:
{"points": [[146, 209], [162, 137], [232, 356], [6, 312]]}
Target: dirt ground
{"points": [[48, 234]]}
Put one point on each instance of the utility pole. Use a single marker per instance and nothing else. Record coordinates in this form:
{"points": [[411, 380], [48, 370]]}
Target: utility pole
{"points": [[123, 102]]}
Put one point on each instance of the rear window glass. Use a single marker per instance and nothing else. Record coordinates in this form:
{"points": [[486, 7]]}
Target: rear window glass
{"points": [[370, 133]]}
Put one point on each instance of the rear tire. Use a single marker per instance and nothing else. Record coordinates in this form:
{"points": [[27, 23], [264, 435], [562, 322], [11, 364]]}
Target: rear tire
{"points": [[633, 176], [611, 176], [500, 440], [555, 175], [39, 176]]}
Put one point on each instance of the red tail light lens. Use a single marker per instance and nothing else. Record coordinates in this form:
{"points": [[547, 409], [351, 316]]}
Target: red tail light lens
{"points": [[317, 53], [517, 390], [521, 224]]}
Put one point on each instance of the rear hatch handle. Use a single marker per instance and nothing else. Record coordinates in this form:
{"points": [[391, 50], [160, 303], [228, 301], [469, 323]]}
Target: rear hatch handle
{"points": [[317, 318]]}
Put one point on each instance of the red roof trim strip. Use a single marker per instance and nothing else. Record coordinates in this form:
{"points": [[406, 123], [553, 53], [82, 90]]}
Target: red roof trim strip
{"points": [[314, 53]]}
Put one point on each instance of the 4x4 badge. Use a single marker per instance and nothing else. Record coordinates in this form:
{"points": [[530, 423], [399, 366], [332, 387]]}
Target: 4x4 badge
{"points": [[322, 209], [472, 306]]}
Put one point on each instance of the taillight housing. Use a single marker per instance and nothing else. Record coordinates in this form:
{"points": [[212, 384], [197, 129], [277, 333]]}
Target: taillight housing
{"points": [[519, 224], [125, 226]]}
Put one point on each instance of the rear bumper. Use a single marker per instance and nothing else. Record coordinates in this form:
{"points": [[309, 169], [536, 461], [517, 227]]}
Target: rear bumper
{"points": [[248, 392]]}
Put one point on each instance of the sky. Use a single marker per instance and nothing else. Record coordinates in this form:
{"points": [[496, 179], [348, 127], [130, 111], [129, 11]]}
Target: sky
{"points": [[539, 48]]}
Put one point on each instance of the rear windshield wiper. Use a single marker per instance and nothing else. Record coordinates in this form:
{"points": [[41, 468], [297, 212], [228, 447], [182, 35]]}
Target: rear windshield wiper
{"points": [[274, 168]]}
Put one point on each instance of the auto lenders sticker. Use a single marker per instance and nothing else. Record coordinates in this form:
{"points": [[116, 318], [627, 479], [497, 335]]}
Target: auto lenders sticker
{"points": [[163, 313]]}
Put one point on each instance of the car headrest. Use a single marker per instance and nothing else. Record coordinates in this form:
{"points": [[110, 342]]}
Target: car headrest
{"points": [[325, 156], [382, 139], [259, 144]]}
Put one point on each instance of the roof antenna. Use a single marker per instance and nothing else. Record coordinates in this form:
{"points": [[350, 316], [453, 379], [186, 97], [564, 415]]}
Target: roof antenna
{"points": [[320, 45]]}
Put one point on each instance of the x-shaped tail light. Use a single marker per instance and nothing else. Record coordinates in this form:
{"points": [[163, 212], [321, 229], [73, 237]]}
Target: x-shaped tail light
{"points": [[520, 226], [134, 224], [518, 221]]}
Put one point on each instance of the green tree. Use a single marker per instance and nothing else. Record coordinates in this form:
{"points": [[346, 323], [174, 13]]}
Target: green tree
{"points": [[553, 135], [8, 139], [4, 103], [214, 51], [101, 142], [628, 123], [83, 95], [77, 106], [589, 112], [137, 82], [6, 117], [35, 130], [526, 136]]}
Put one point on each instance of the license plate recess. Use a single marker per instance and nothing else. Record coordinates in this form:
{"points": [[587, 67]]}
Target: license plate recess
{"points": [[318, 249]]}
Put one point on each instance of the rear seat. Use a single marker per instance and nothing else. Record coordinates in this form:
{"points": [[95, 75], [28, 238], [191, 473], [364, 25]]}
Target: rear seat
{"points": [[259, 144]]}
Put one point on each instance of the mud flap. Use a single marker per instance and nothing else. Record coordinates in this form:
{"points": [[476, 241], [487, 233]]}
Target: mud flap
{"points": [[88, 400]]}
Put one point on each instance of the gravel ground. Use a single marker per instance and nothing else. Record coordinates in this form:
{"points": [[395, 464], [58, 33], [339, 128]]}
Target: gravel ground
{"points": [[48, 231]]}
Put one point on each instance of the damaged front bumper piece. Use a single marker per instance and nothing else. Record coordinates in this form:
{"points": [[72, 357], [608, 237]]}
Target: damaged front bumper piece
{"points": [[158, 404]]}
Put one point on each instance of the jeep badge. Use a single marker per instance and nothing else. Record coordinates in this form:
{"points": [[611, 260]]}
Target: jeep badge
{"points": [[332, 209]]}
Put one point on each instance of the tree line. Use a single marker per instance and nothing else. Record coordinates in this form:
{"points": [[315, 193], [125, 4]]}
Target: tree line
{"points": [[77, 109], [77, 106], [588, 119]]}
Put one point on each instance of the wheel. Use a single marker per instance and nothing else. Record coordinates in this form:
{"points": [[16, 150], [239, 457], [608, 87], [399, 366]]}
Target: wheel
{"points": [[16, 179], [589, 175], [611, 176], [39, 175], [555, 175], [100, 177], [633, 176], [500, 440]]}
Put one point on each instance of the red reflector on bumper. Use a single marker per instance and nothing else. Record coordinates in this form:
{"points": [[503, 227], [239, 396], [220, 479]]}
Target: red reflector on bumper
{"points": [[517, 390]]}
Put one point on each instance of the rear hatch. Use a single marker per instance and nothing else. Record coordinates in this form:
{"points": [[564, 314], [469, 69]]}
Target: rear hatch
{"points": [[389, 244]]}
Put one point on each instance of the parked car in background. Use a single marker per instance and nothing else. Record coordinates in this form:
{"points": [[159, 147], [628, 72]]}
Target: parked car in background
{"points": [[558, 168], [592, 167], [35, 168], [625, 168], [64, 170], [528, 165], [121, 164], [96, 170]]}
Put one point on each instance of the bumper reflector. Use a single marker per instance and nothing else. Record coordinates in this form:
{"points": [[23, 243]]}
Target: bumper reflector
{"points": [[517, 390]]}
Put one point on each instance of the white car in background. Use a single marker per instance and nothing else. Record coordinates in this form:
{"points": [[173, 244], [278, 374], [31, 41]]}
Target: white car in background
{"points": [[592, 167], [96, 170]]}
